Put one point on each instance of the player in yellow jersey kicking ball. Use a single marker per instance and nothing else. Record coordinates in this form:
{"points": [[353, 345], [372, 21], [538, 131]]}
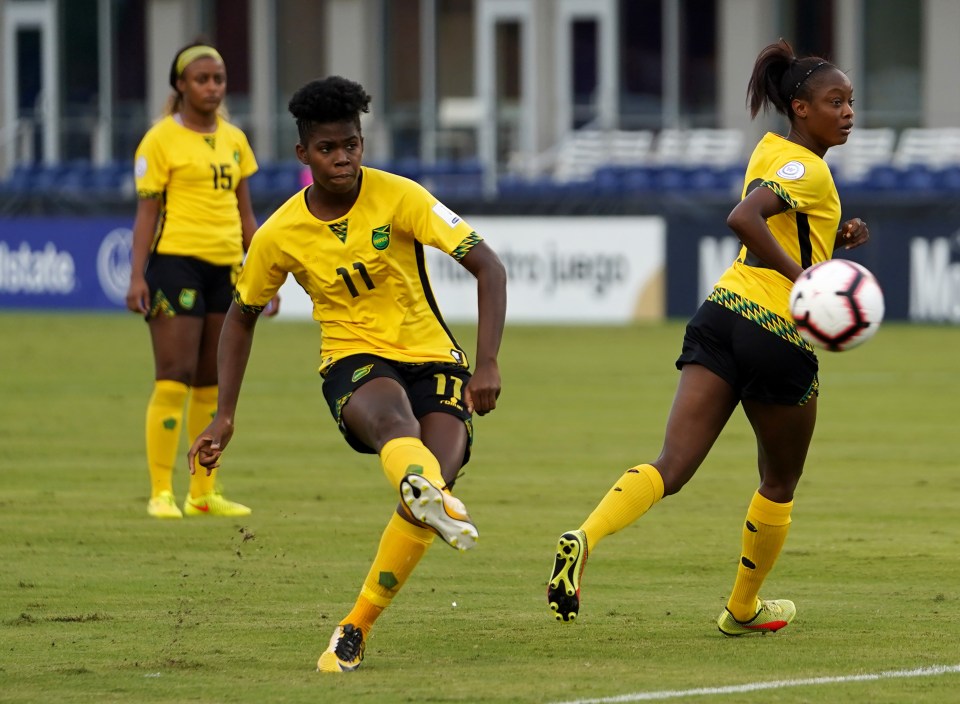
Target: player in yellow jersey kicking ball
{"points": [[398, 384], [741, 348], [194, 222]]}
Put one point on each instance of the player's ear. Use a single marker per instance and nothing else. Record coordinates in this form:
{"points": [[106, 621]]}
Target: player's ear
{"points": [[301, 153]]}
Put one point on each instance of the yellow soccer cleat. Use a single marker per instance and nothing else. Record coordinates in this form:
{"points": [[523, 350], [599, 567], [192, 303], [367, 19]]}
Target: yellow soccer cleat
{"points": [[563, 589], [439, 511], [164, 506], [345, 652], [770, 618], [213, 504]]}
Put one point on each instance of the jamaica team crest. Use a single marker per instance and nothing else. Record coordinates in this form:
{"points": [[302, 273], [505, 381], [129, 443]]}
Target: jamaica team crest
{"points": [[188, 298], [380, 237]]}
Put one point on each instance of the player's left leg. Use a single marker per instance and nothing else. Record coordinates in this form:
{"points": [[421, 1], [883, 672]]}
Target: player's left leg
{"points": [[402, 545], [783, 438], [204, 498], [702, 405], [175, 339]]}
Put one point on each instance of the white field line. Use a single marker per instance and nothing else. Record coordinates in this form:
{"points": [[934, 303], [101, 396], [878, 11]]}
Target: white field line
{"points": [[759, 686]]}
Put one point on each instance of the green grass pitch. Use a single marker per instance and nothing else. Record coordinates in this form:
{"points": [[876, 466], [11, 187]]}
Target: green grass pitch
{"points": [[100, 603]]}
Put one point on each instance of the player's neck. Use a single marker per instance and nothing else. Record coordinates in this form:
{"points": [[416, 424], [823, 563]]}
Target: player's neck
{"points": [[329, 206], [197, 121], [805, 140]]}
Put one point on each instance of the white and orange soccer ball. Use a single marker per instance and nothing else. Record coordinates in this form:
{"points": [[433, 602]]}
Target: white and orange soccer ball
{"points": [[836, 305]]}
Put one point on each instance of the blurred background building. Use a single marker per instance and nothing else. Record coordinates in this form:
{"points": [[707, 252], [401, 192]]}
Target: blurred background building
{"points": [[502, 93]]}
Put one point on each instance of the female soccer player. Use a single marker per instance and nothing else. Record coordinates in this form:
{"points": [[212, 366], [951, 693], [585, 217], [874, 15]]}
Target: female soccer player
{"points": [[194, 221], [741, 347], [398, 384]]}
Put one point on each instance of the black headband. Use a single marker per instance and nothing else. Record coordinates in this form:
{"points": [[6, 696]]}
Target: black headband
{"points": [[796, 86]]}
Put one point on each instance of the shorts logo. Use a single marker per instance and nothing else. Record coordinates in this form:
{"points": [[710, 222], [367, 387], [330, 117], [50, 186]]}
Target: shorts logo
{"points": [[188, 298], [358, 374], [791, 171], [380, 237], [161, 306], [341, 402]]}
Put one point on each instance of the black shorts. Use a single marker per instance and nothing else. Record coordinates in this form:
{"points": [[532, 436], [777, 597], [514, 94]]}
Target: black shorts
{"points": [[432, 387], [759, 364], [188, 286]]}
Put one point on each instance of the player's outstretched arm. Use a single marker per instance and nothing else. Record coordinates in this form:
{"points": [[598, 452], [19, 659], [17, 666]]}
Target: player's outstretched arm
{"points": [[236, 341], [483, 389]]}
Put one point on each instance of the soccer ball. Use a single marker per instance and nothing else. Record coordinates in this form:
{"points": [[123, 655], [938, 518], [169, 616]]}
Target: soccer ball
{"points": [[836, 305]]}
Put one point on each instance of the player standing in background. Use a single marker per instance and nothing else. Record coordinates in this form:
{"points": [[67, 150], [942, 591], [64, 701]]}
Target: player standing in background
{"points": [[397, 382], [194, 221], [741, 347]]}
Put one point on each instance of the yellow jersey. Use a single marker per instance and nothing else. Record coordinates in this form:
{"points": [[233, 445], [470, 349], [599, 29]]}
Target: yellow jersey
{"points": [[195, 175], [364, 272], [807, 229]]}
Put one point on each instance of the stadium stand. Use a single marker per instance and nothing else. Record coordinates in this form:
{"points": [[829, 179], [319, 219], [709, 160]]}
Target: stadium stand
{"points": [[865, 149], [589, 162], [935, 148], [699, 147]]}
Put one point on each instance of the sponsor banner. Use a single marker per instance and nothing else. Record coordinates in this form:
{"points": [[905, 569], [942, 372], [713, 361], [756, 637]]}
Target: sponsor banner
{"points": [[559, 270], [81, 263]]}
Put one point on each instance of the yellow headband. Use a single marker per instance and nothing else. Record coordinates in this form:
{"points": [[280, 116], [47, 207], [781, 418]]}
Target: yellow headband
{"points": [[188, 56]]}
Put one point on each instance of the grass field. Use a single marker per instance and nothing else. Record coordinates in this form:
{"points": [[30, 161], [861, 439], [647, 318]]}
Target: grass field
{"points": [[100, 603]]}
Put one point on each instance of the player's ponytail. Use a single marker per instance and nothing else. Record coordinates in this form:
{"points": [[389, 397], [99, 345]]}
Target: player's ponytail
{"points": [[778, 77]]}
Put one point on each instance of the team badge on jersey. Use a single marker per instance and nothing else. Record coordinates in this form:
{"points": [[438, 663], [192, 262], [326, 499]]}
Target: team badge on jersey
{"points": [[380, 237], [188, 298], [791, 171], [236, 156]]}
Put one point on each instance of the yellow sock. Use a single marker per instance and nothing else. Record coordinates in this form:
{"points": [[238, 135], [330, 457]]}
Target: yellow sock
{"points": [[403, 456], [201, 407], [632, 496], [764, 533], [164, 418], [401, 547]]}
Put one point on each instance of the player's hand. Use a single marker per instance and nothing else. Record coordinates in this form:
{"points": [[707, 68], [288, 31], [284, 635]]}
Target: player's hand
{"points": [[483, 389], [273, 307], [138, 296], [209, 446], [852, 233]]}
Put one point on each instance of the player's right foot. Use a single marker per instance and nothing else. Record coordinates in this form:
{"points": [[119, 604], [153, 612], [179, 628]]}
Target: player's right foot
{"points": [[345, 652], [164, 506], [438, 510], [770, 618], [563, 590], [214, 504]]}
